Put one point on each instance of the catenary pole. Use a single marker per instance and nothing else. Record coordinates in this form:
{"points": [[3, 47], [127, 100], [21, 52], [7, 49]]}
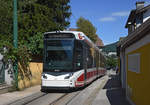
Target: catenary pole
{"points": [[15, 36]]}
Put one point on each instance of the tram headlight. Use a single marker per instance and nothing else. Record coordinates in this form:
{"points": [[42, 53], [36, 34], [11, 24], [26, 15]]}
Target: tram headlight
{"points": [[44, 76], [67, 77]]}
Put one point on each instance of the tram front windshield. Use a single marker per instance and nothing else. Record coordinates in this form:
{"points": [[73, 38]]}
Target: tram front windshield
{"points": [[59, 55]]}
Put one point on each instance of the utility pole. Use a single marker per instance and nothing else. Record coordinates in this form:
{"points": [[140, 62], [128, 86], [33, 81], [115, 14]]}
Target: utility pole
{"points": [[15, 35]]}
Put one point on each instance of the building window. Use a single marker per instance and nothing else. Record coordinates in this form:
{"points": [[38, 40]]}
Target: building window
{"points": [[139, 20], [134, 62]]}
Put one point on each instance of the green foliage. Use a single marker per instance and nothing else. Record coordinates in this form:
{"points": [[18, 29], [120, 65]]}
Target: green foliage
{"points": [[38, 16], [87, 28], [36, 44], [34, 18], [111, 62], [6, 18], [19, 54], [43, 15], [60, 11]]}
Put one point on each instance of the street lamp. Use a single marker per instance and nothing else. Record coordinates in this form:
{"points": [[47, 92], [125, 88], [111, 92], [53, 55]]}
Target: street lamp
{"points": [[15, 35]]}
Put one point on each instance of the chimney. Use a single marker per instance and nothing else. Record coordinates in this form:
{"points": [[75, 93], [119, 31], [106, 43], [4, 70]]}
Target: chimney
{"points": [[139, 4]]}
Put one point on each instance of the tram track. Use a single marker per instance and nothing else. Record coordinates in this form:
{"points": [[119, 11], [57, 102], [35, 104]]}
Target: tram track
{"points": [[66, 99], [73, 98], [34, 99], [55, 101], [28, 99], [37, 97], [48, 98]]}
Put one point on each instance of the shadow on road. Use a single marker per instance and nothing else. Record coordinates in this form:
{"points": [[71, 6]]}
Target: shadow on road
{"points": [[115, 94]]}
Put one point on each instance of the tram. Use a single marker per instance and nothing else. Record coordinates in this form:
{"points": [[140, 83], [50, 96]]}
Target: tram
{"points": [[71, 60]]}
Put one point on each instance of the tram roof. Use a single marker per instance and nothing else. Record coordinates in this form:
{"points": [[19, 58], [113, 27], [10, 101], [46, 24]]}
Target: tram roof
{"points": [[73, 32]]}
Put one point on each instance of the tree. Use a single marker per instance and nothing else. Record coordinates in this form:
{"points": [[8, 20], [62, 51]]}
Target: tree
{"points": [[38, 16], [34, 17], [111, 62], [87, 28], [60, 11], [6, 20]]}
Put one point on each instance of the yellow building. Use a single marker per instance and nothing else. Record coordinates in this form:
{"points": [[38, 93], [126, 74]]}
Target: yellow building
{"points": [[134, 54]]}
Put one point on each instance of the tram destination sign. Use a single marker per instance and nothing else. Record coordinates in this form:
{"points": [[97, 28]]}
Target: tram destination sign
{"points": [[59, 35]]}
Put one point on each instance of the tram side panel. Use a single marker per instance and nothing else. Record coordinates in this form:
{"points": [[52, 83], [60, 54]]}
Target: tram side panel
{"points": [[100, 65], [82, 76], [103, 65], [91, 64], [79, 64], [89, 70]]}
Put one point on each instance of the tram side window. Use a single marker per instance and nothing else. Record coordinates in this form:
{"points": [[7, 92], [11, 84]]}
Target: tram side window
{"points": [[95, 59], [101, 60], [79, 55], [89, 58]]}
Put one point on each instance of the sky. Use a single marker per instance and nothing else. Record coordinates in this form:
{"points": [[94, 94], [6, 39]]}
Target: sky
{"points": [[108, 16]]}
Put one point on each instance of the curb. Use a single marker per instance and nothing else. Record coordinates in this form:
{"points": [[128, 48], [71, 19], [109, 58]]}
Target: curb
{"points": [[4, 88], [95, 92]]}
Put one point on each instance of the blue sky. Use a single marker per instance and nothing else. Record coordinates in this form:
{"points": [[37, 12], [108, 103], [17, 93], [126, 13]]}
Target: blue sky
{"points": [[108, 16]]}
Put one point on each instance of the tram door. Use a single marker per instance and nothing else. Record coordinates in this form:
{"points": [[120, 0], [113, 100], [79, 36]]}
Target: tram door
{"points": [[85, 63]]}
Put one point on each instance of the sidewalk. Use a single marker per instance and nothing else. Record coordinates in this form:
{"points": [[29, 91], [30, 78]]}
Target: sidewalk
{"points": [[112, 93], [13, 96]]}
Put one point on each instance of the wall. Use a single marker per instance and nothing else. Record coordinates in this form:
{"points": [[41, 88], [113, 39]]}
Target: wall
{"points": [[9, 74], [138, 83], [8, 71], [123, 71], [30, 77]]}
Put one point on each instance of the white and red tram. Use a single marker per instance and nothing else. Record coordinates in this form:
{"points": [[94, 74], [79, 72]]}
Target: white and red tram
{"points": [[71, 60]]}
